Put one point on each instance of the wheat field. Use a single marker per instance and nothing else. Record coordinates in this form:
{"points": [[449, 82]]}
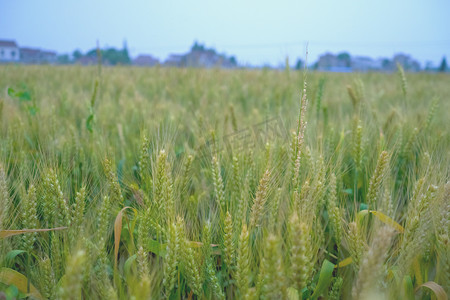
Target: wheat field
{"points": [[161, 183]]}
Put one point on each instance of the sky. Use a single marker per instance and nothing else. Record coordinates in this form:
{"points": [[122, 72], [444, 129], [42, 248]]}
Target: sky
{"points": [[256, 32]]}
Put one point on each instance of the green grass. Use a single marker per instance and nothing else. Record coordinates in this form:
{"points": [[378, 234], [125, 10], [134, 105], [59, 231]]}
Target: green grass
{"points": [[188, 183]]}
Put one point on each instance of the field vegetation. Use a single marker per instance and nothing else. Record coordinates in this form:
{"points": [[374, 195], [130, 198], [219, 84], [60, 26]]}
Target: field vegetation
{"points": [[136, 183]]}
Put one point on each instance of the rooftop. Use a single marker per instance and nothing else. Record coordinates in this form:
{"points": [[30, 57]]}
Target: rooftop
{"points": [[5, 43]]}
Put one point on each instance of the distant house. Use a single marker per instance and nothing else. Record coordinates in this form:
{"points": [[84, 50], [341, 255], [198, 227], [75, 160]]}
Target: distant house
{"points": [[87, 60], [201, 57], [174, 60], [37, 56], [407, 62], [364, 64], [9, 51], [30, 55], [145, 60], [49, 57], [330, 62], [208, 58]]}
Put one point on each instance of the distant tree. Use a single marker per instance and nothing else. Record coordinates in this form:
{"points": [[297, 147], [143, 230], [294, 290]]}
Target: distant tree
{"points": [[300, 64], [443, 66], [233, 60], [77, 54], [92, 53], [197, 47], [63, 59], [125, 54], [387, 64], [115, 57], [112, 55], [428, 66], [345, 58]]}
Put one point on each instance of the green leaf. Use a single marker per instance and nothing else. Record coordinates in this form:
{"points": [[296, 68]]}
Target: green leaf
{"points": [[408, 289], [94, 94], [32, 110], [12, 277], [361, 214], [292, 293], [157, 248], [325, 276], [348, 191], [11, 92], [89, 122], [11, 255], [11, 292], [21, 95], [24, 96], [120, 167], [128, 263]]}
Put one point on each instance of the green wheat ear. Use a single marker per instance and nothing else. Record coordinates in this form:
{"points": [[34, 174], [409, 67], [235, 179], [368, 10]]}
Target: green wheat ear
{"points": [[356, 243], [48, 278], [72, 284], [260, 201], [116, 192], [335, 212], [55, 206], [372, 265], [236, 180], [401, 73], [275, 283], [191, 268], [300, 252], [4, 198], [357, 143], [144, 160], [243, 263], [173, 254], [77, 215], [103, 220], [356, 93], [335, 293], [377, 179], [228, 243], [443, 239], [30, 219], [218, 184], [142, 260]]}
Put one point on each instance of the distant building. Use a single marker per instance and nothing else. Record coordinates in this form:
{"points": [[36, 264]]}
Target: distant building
{"points": [[9, 51], [201, 57], [208, 59], [30, 55], [174, 60], [343, 62], [330, 62], [37, 56], [145, 60], [364, 64], [407, 62], [87, 60], [49, 57]]}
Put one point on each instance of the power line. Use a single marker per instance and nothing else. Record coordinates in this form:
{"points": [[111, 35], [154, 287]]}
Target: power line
{"points": [[359, 44]]}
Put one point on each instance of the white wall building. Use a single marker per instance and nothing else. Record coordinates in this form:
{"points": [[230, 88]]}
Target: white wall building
{"points": [[9, 52]]}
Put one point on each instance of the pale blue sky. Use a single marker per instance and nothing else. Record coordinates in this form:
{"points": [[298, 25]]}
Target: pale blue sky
{"points": [[257, 32]]}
